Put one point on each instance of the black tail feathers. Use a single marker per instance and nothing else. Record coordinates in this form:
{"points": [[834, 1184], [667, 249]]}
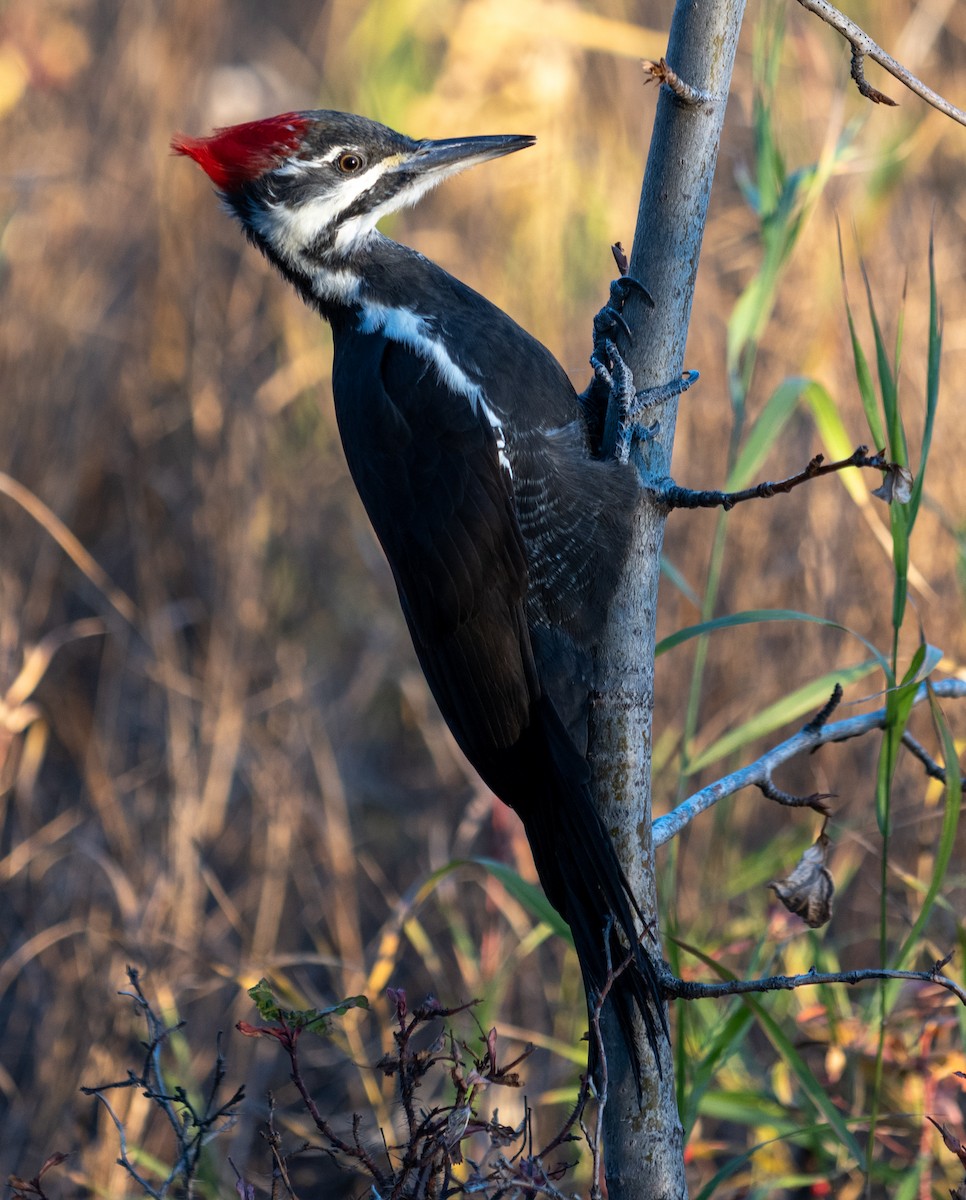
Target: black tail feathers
{"points": [[578, 867]]}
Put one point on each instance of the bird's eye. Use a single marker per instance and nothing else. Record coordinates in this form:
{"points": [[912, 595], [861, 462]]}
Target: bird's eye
{"points": [[350, 162]]}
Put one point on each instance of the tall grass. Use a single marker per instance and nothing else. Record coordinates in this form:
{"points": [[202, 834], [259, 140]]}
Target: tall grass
{"points": [[242, 775]]}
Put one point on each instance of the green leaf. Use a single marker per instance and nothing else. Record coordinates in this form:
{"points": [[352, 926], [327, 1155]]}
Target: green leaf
{"points": [[315, 1020], [264, 1000]]}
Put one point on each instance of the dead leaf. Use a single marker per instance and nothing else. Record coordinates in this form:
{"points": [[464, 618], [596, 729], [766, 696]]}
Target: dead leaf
{"points": [[896, 485], [808, 891]]}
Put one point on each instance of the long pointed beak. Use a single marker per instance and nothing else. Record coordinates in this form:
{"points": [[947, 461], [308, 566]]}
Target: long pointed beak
{"points": [[449, 155]]}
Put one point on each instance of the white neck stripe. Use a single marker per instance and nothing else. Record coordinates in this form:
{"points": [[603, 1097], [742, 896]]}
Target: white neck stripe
{"points": [[409, 328]]}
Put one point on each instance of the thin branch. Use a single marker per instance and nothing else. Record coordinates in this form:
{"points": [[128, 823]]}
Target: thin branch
{"points": [[679, 497], [681, 989], [824, 714], [815, 801], [596, 1139], [865, 88], [933, 769], [192, 1128], [123, 1160], [863, 45], [357, 1152], [806, 740], [564, 1133]]}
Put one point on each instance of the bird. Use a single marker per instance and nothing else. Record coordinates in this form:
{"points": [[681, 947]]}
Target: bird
{"points": [[481, 470]]}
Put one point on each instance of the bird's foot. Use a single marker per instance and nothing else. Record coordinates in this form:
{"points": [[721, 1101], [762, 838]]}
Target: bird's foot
{"points": [[632, 428], [613, 408], [611, 316], [612, 378], [627, 408]]}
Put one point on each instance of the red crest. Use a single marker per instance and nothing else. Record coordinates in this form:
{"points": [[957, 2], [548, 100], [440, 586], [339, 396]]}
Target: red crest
{"points": [[235, 155]]}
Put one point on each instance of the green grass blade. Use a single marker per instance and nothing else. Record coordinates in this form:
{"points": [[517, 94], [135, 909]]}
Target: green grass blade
{"points": [[530, 895], [756, 616], [952, 799], [817, 1095], [933, 364], [888, 381], [899, 702], [835, 438], [674, 576], [733, 1165], [863, 376], [724, 1042], [765, 432]]}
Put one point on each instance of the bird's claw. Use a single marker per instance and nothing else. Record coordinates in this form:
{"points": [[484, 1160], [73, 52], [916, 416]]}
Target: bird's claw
{"points": [[611, 316], [622, 287], [627, 407], [612, 407], [606, 321]]}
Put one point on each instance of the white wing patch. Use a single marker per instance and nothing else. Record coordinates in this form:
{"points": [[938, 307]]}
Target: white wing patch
{"points": [[410, 329]]}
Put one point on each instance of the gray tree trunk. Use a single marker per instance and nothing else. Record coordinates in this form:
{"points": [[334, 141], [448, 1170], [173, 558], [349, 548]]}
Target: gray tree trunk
{"points": [[644, 1145]]}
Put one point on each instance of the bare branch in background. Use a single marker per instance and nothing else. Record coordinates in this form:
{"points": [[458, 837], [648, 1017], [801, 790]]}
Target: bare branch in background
{"points": [[680, 497], [192, 1124], [863, 46], [682, 989], [809, 738]]}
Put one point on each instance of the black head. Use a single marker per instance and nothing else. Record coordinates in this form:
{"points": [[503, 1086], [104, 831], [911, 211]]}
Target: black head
{"points": [[317, 182]]}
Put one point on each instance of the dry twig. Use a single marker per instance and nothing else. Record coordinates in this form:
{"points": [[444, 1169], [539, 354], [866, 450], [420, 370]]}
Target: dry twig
{"points": [[863, 46], [679, 497], [681, 989], [809, 738]]}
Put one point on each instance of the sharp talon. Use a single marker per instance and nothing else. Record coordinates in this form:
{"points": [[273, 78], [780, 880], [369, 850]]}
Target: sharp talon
{"points": [[619, 320], [627, 283], [607, 320]]}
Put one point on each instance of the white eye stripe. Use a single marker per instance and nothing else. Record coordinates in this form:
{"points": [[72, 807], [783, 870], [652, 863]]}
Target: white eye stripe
{"points": [[295, 166]]}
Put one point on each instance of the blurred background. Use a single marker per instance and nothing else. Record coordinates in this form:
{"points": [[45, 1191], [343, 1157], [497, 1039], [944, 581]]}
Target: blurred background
{"points": [[218, 759]]}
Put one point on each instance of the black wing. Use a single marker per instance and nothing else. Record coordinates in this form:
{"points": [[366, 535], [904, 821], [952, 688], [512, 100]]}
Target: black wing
{"points": [[426, 467]]}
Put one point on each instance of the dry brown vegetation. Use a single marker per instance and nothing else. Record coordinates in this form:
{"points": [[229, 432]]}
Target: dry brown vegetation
{"points": [[238, 772]]}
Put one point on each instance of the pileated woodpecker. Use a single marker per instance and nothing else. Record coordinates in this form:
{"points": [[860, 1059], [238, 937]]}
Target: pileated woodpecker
{"points": [[482, 474]]}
